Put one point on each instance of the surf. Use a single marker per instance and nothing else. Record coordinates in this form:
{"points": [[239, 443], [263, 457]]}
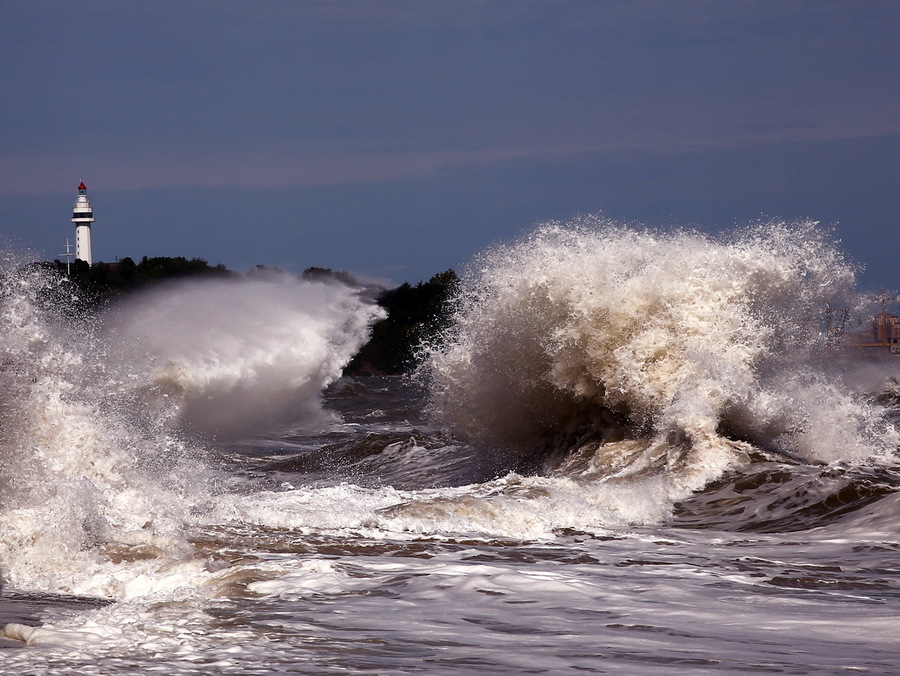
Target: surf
{"points": [[105, 455]]}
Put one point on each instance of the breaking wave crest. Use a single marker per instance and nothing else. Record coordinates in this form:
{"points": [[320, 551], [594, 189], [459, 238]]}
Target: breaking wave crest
{"points": [[100, 483], [241, 356], [621, 354]]}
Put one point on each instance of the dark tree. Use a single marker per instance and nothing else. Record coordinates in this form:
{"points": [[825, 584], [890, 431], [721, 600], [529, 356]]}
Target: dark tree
{"points": [[416, 315], [329, 275], [95, 284]]}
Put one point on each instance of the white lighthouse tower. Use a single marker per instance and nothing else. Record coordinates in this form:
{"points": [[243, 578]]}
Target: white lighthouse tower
{"points": [[82, 217]]}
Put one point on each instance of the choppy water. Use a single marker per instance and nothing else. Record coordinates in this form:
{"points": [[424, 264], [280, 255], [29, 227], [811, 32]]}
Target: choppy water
{"points": [[636, 452]]}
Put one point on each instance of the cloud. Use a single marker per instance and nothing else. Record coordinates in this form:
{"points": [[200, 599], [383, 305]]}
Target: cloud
{"points": [[279, 93]]}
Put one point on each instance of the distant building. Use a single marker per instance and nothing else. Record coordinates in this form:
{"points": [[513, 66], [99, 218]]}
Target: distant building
{"points": [[883, 337], [82, 217], [886, 331]]}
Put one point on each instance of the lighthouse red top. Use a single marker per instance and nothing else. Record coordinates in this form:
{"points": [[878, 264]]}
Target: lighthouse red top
{"points": [[82, 186]]}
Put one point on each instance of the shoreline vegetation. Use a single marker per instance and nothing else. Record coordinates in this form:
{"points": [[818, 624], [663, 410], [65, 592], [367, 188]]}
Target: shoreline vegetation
{"points": [[416, 314]]}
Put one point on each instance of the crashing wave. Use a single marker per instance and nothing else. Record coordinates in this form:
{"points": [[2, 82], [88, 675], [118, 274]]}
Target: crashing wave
{"points": [[624, 352]]}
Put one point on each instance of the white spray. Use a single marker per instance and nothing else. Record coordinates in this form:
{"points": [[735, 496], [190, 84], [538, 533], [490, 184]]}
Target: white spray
{"points": [[99, 486], [698, 344], [240, 356]]}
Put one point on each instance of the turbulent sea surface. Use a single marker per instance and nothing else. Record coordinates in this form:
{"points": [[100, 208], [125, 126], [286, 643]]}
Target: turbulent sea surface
{"points": [[631, 452]]}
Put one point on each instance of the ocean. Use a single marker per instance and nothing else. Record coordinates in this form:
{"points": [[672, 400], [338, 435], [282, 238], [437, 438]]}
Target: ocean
{"points": [[631, 452]]}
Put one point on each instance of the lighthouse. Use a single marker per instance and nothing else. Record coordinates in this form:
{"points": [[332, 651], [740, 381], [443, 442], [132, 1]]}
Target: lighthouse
{"points": [[82, 217]]}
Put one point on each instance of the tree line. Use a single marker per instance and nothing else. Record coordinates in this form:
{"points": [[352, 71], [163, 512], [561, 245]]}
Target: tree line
{"points": [[415, 314]]}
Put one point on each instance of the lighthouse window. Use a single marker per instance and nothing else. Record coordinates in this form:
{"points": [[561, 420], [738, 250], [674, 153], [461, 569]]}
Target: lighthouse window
{"points": [[83, 214]]}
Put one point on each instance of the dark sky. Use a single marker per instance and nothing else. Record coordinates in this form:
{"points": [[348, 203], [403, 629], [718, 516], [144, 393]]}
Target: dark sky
{"points": [[397, 138]]}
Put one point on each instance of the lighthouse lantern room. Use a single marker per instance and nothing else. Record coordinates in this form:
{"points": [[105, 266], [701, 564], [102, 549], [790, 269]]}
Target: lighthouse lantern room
{"points": [[82, 217]]}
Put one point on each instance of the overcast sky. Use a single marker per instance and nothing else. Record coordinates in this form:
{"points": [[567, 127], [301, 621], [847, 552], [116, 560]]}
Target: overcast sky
{"points": [[397, 138]]}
